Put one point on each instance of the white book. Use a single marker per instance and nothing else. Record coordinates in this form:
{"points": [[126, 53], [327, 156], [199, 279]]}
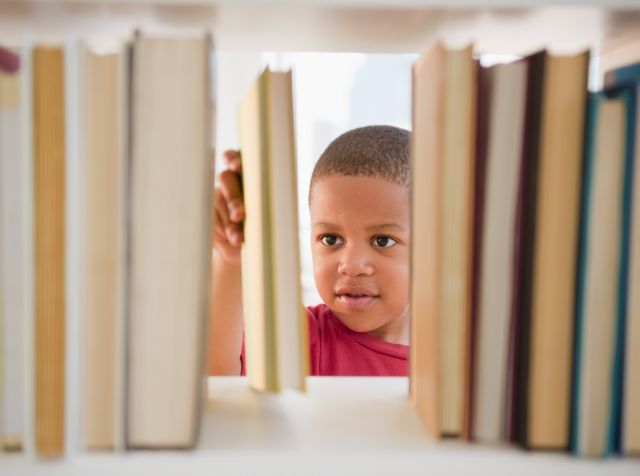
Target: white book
{"points": [[171, 179], [11, 260], [73, 204], [27, 259], [507, 84]]}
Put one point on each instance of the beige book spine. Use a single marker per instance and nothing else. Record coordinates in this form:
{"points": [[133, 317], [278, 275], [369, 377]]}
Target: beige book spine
{"points": [[553, 284], [254, 268], [457, 223], [601, 291], [426, 219], [631, 409], [101, 230]]}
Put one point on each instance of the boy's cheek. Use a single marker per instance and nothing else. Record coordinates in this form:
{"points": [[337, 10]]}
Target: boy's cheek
{"points": [[322, 272]]}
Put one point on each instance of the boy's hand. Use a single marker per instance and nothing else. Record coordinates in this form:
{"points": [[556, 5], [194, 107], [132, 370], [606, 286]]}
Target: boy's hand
{"points": [[229, 205]]}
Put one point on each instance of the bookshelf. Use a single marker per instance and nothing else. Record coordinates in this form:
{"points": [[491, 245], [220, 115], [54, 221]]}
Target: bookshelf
{"points": [[382, 26], [343, 425]]}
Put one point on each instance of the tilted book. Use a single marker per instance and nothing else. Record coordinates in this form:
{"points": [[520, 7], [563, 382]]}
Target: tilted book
{"points": [[276, 335]]}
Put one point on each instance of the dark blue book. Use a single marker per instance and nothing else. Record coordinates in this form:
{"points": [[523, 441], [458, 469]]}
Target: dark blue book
{"points": [[624, 76]]}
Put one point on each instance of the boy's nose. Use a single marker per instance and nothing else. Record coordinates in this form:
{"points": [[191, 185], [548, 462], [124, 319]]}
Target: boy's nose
{"points": [[355, 262]]}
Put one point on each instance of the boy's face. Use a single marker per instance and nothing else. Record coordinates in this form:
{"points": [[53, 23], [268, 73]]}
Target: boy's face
{"points": [[360, 248]]}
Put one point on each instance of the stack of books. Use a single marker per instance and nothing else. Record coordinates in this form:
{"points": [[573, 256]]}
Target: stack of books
{"points": [[107, 180], [525, 252]]}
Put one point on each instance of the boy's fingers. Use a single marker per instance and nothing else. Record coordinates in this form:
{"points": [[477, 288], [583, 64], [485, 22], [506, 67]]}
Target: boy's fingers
{"points": [[220, 231], [224, 227], [232, 160], [232, 194], [222, 213], [234, 234]]}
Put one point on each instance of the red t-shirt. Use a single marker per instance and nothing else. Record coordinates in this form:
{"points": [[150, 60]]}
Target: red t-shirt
{"points": [[334, 349]]}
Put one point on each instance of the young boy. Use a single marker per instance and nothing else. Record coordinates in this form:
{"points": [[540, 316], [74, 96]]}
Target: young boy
{"points": [[359, 203]]}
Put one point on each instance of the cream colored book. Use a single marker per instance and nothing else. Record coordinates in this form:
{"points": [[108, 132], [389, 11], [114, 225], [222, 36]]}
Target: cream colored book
{"points": [[11, 265], [426, 222], [442, 149], [457, 236], [276, 335], [506, 116], [169, 245], [102, 224], [598, 297]]}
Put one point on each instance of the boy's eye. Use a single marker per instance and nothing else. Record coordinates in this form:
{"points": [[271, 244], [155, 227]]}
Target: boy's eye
{"points": [[383, 241], [330, 240]]}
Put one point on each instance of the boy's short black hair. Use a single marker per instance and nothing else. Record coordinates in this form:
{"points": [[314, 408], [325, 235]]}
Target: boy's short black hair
{"points": [[371, 151]]}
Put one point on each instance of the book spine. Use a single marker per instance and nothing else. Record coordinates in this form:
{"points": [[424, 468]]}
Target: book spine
{"points": [[518, 372], [613, 440], [587, 181], [482, 136]]}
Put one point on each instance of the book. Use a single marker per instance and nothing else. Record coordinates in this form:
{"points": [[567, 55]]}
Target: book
{"points": [[599, 275], [445, 141], [505, 130], [73, 298], [629, 77], [276, 334], [12, 273], [626, 75], [102, 248], [428, 78], [482, 132], [548, 398], [631, 385], [457, 239], [620, 52], [518, 351], [169, 194], [49, 248], [27, 257]]}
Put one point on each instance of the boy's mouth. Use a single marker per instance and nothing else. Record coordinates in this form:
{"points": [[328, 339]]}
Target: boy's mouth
{"points": [[355, 298]]}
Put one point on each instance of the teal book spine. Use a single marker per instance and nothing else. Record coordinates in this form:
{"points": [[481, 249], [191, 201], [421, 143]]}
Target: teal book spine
{"points": [[587, 177], [629, 95]]}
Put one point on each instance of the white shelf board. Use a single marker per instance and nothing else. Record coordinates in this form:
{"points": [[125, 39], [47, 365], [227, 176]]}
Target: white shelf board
{"points": [[365, 4], [343, 425], [307, 26]]}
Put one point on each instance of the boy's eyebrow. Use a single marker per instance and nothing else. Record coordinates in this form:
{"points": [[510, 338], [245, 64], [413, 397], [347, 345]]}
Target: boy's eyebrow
{"points": [[381, 226], [324, 224], [395, 226]]}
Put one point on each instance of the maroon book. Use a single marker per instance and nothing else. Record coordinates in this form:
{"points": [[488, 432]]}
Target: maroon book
{"points": [[519, 333]]}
